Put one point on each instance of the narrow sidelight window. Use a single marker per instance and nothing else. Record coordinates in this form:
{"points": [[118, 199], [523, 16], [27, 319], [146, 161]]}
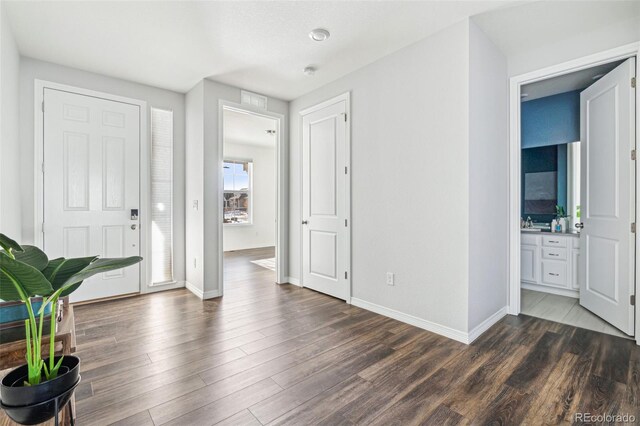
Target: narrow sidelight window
{"points": [[161, 196]]}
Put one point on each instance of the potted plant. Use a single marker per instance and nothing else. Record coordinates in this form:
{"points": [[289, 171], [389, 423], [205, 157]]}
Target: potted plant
{"points": [[34, 392]]}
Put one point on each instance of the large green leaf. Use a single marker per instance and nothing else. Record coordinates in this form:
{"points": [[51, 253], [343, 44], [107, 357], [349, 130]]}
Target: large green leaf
{"points": [[33, 256], [97, 267], [7, 243], [29, 280], [60, 270]]}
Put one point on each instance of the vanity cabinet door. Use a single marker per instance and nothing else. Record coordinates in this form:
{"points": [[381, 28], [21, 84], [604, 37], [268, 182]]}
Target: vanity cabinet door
{"points": [[529, 264]]}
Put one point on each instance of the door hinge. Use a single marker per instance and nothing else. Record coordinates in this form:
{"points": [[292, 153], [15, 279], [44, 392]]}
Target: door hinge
{"points": [[345, 222], [633, 154], [42, 106], [633, 300], [633, 82], [344, 114], [633, 228], [346, 170], [42, 167], [345, 275], [43, 227]]}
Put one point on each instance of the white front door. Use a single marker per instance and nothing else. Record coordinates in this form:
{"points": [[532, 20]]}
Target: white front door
{"points": [[325, 252], [607, 243], [91, 185]]}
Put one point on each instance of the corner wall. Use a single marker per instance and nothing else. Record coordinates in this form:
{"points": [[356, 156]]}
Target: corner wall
{"points": [[410, 180], [10, 141], [488, 181]]}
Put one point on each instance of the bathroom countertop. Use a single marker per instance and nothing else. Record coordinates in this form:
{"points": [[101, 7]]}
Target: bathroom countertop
{"points": [[568, 233]]}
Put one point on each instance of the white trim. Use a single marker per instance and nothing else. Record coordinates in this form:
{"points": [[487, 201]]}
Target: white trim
{"points": [[166, 286], [206, 295], [619, 53], [442, 330], [545, 289], [346, 97], [281, 186], [486, 324], [145, 160], [294, 281]]}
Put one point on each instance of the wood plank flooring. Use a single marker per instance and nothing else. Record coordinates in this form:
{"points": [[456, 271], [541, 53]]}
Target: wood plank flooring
{"points": [[278, 354]]}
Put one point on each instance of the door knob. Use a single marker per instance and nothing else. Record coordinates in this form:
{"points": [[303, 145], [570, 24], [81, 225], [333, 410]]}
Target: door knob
{"points": [[579, 225], [134, 226], [305, 222]]}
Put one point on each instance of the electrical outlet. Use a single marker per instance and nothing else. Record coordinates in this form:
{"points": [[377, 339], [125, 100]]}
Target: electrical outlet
{"points": [[391, 278]]}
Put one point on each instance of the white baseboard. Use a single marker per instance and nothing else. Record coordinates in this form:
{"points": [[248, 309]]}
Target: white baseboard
{"points": [[293, 281], [486, 324], [544, 289], [162, 287], [202, 295], [445, 331]]}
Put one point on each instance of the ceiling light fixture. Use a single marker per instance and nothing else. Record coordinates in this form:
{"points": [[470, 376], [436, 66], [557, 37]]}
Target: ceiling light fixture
{"points": [[309, 70], [319, 34]]}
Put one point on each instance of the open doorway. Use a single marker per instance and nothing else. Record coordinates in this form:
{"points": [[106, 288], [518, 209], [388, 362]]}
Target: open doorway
{"points": [[575, 195], [250, 200]]}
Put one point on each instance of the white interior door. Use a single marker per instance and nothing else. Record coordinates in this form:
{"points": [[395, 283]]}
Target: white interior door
{"points": [[91, 185], [607, 243], [324, 197]]}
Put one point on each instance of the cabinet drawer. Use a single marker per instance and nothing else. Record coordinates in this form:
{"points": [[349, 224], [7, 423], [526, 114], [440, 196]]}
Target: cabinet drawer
{"points": [[554, 253], [554, 273], [530, 240], [550, 241]]}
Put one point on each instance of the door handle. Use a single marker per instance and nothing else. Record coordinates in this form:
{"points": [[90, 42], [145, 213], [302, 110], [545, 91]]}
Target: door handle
{"points": [[579, 225], [134, 226], [305, 222]]}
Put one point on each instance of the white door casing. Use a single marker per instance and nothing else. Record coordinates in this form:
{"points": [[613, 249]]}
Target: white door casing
{"points": [[91, 184], [607, 243], [325, 199]]}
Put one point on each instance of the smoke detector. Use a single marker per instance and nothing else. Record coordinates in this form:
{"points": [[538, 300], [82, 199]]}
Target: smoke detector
{"points": [[319, 34], [310, 70]]}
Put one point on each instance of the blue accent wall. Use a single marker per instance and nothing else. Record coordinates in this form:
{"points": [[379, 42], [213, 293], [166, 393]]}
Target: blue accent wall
{"points": [[552, 120], [547, 126]]}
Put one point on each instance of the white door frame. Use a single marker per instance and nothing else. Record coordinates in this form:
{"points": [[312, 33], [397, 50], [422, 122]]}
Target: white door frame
{"points": [[515, 83], [145, 162], [281, 186], [347, 98]]}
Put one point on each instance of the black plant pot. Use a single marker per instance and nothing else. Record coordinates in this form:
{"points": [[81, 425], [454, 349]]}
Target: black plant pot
{"points": [[30, 405]]}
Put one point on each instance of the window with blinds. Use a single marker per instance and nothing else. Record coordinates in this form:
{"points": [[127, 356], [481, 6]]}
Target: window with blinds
{"points": [[161, 196]]}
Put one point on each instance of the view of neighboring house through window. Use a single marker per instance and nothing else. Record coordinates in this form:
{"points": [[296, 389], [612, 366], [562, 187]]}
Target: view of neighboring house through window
{"points": [[237, 191], [161, 196]]}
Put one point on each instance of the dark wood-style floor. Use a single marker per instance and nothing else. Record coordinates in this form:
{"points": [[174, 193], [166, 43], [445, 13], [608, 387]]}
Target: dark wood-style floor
{"points": [[279, 354]]}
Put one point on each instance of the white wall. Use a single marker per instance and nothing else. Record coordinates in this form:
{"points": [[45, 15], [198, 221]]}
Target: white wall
{"points": [[409, 151], [208, 242], [10, 207], [488, 178], [577, 46], [31, 69], [194, 186], [262, 231]]}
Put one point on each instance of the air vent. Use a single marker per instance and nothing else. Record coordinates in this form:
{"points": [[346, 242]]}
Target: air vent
{"points": [[253, 99]]}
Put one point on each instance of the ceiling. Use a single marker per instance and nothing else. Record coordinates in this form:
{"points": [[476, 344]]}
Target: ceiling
{"points": [[248, 129], [517, 30], [565, 83], [262, 46]]}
